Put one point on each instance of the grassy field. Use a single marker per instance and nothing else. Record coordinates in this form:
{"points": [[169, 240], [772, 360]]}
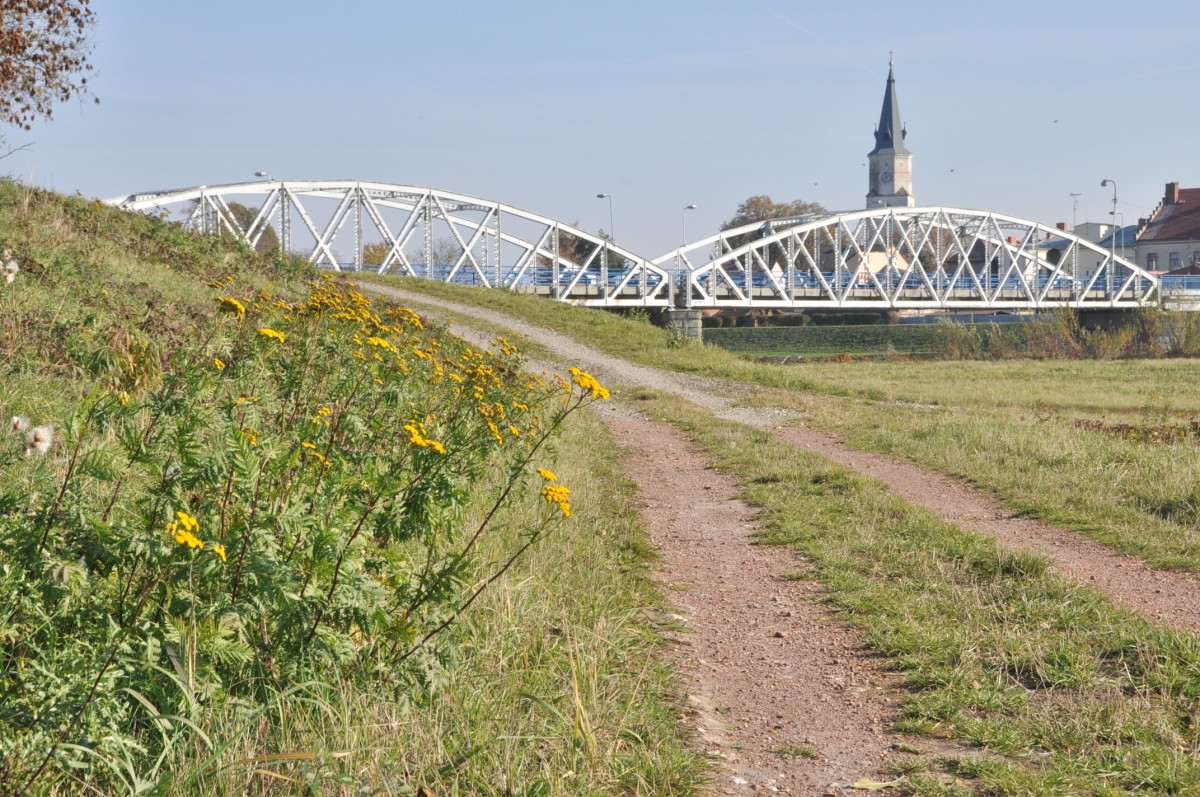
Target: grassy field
{"points": [[1084, 387], [822, 341], [113, 335], [1057, 691], [1005, 426]]}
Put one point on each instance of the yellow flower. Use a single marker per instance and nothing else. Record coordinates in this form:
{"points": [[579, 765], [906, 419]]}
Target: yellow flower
{"points": [[559, 495], [219, 363], [548, 475], [123, 398], [219, 550], [309, 446], [588, 382], [416, 436], [184, 529], [267, 332], [232, 305], [380, 343]]}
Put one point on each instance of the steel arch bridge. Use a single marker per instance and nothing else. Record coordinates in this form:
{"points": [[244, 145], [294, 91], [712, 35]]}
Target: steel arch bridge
{"points": [[492, 244], [906, 258], [885, 258]]}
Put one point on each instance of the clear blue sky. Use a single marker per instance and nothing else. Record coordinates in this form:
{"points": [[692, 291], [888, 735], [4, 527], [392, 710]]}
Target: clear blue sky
{"points": [[662, 104]]}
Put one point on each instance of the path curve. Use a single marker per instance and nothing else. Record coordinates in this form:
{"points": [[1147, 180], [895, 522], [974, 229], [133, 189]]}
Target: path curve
{"points": [[1167, 597]]}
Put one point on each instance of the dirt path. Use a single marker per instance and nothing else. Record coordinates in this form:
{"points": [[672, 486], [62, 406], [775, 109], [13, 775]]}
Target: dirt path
{"points": [[770, 672], [1167, 597]]}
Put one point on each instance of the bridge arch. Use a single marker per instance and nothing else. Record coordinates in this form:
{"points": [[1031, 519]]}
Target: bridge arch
{"points": [[902, 258], [492, 244]]}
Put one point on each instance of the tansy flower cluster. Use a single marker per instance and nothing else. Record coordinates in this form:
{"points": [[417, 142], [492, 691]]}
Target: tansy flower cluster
{"points": [[184, 528], [588, 382], [416, 436], [232, 305], [555, 493]]}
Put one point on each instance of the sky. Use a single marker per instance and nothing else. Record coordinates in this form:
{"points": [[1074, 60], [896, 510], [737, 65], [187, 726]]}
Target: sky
{"points": [[1009, 107]]}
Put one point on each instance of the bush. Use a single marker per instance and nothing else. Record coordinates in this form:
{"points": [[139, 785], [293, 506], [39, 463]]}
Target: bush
{"points": [[252, 520]]}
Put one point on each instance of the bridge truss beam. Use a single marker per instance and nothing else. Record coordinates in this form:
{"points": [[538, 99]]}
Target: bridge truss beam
{"points": [[494, 245], [906, 258], [887, 258]]}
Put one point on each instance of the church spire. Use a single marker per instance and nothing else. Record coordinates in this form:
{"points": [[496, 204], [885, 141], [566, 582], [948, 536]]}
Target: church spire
{"points": [[889, 135], [891, 182]]}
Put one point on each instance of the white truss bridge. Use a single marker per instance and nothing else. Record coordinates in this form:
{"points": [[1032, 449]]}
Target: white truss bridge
{"points": [[886, 258]]}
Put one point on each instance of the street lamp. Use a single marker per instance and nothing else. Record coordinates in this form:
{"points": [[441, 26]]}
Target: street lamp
{"points": [[1112, 264], [612, 230], [262, 174], [685, 210]]}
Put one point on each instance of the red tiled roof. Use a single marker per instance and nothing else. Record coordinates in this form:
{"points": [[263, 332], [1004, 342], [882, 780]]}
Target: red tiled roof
{"points": [[1178, 221]]}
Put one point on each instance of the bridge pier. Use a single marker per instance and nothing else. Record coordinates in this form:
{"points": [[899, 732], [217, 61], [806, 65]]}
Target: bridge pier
{"points": [[685, 323]]}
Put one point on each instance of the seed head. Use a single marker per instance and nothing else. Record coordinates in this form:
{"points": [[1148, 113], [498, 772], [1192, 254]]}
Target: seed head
{"points": [[19, 424], [39, 441]]}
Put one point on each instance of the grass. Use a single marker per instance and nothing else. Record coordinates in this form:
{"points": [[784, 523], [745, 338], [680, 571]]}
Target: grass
{"points": [[1080, 387], [1005, 426], [799, 751], [553, 684], [823, 341], [1059, 691]]}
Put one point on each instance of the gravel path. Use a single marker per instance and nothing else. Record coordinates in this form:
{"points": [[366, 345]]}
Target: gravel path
{"points": [[771, 676]]}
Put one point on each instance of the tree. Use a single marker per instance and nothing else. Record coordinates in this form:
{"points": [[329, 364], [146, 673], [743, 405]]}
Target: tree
{"points": [[44, 49], [446, 252], [268, 241], [762, 208]]}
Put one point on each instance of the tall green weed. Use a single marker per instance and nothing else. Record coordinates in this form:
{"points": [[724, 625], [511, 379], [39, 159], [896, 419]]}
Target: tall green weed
{"points": [[281, 500]]}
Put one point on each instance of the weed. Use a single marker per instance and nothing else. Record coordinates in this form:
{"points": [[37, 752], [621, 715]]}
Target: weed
{"points": [[799, 751]]}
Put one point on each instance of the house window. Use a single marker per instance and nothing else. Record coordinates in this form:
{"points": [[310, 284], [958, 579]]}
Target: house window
{"points": [[1152, 261], [1174, 260]]}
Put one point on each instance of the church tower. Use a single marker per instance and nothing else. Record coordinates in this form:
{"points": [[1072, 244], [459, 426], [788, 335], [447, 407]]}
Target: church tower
{"points": [[891, 162]]}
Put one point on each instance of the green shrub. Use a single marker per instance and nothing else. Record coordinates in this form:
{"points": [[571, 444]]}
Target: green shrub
{"points": [[247, 517]]}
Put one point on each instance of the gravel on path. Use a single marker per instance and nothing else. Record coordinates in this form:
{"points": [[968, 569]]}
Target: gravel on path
{"points": [[772, 676], [1167, 597]]}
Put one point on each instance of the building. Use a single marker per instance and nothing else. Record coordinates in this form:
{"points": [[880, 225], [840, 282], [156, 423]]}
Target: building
{"points": [[891, 162], [1170, 239]]}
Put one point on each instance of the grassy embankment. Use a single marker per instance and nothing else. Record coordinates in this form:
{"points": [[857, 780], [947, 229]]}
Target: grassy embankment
{"points": [[1007, 426], [1055, 690], [110, 334]]}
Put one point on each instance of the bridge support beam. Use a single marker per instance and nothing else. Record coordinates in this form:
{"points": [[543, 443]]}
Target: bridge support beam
{"points": [[1106, 319]]}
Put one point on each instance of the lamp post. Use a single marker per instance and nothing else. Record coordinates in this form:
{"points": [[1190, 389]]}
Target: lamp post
{"points": [[1108, 272], [685, 210], [262, 174], [612, 230], [675, 276]]}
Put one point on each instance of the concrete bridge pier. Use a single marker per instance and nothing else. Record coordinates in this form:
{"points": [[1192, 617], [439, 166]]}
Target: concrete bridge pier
{"points": [[684, 322]]}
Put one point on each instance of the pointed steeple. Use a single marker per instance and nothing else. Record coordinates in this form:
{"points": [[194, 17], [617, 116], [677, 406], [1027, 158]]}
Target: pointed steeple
{"points": [[889, 135]]}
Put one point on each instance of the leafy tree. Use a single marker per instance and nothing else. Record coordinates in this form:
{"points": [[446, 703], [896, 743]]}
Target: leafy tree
{"points": [[762, 208], [375, 252], [268, 241], [44, 49]]}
